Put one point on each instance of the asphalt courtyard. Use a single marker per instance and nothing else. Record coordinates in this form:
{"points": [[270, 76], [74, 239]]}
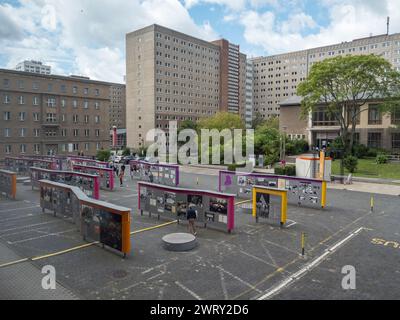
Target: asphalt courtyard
{"points": [[256, 261]]}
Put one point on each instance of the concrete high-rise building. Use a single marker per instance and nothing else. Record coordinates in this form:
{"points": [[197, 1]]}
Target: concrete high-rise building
{"points": [[118, 106], [172, 76], [33, 67], [51, 114], [249, 94], [276, 77]]}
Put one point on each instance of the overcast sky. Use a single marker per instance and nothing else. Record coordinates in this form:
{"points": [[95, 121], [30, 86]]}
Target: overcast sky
{"points": [[87, 37]]}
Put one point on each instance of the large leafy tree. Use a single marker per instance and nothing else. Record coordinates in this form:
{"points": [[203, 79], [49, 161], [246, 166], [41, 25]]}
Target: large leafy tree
{"points": [[221, 121], [345, 83]]}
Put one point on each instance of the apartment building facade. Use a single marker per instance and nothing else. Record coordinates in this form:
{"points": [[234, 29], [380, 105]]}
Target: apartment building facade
{"points": [[118, 106], [277, 77], [374, 129], [52, 115], [172, 76]]}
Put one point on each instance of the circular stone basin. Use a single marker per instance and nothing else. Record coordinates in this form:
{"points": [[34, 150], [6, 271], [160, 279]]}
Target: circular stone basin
{"points": [[179, 242]]}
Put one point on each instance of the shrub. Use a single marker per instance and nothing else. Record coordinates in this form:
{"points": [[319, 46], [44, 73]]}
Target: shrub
{"points": [[271, 159], [360, 151], [103, 155], [350, 163], [382, 158], [287, 170], [234, 166]]}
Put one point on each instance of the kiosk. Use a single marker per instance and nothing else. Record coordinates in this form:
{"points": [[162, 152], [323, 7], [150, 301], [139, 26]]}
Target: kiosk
{"points": [[166, 174], [106, 175], [8, 184]]}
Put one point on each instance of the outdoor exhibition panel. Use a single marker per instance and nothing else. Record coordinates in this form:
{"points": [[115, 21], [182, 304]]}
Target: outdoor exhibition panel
{"points": [[270, 204], [214, 209], [59, 161], [302, 191], [87, 162], [23, 165], [88, 183], [106, 175], [8, 184], [96, 220], [166, 174]]}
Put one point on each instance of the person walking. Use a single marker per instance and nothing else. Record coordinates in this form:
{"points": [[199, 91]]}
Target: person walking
{"points": [[121, 177], [151, 177], [191, 216], [132, 172]]}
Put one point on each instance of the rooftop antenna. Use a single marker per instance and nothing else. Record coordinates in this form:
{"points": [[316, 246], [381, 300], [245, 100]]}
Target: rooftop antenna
{"points": [[388, 25]]}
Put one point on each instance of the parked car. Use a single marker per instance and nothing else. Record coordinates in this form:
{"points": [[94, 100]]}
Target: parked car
{"points": [[118, 159], [127, 159], [151, 160]]}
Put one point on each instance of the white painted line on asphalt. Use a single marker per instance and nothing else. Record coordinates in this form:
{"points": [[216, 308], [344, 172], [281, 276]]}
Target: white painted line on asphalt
{"points": [[291, 224], [194, 295], [308, 267], [10, 210], [238, 279], [43, 236], [29, 226], [17, 218]]}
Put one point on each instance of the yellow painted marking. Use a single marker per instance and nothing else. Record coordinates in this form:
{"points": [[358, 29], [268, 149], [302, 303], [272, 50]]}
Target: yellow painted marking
{"points": [[242, 202], [13, 262], [155, 227], [64, 251], [79, 247]]}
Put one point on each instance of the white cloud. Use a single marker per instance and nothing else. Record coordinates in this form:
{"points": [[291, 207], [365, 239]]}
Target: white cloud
{"points": [[84, 35], [347, 20]]}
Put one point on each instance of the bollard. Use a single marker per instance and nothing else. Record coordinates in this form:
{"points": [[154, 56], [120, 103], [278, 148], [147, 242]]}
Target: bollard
{"points": [[372, 203], [303, 243]]}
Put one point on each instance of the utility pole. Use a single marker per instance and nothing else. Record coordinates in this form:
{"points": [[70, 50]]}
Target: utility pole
{"points": [[388, 25]]}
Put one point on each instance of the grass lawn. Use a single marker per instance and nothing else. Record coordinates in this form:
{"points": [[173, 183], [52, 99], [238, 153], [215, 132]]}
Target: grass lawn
{"points": [[368, 168]]}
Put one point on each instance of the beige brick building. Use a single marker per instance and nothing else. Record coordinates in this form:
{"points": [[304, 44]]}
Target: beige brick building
{"points": [[50, 114], [172, 76], [374, 129], [276, 77]]}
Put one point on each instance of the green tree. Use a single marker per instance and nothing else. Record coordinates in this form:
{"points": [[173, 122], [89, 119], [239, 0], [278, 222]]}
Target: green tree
{"points": [[126, 152], [267, 142], [188, 124], [221, 121], [103, 155], [343, 84]]}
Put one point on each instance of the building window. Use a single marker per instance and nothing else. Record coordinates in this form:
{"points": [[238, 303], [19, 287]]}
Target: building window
{"points": [[63, 88], [75, 118], [75, 104], [322, 118], [35, 116], [395, 117], [76, 132], [97, 119], [22, 116], [50, 87], [36, 133], [22, 132], [6, 83], [97, 105], [86, 104], [20, 84], [51, 102], [358, 117], [7, 132], [35, 85], [64, 132], [35, 101], [374, 139], [6, 99], [86, 119], [75, 147], [396, 140], [8, 149], [86, 91], [51, 117], [21, 100], [97, 92], [74, 89], [374, 115], [63, 103], [97, 133], [36, 148], [22, 148], [87, 146], [98, 146]]}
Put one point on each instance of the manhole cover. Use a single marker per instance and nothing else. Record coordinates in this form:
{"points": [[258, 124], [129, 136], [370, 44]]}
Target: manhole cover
{"points": [[119, 274]]}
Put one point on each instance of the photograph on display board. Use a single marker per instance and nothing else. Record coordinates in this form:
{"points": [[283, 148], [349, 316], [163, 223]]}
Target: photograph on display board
{"points": [[160, 203], [181, 207], [111, 229], [170, 202], [263, 205], [242, 181], [195, 200], [90, 223], [219, 205]]}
